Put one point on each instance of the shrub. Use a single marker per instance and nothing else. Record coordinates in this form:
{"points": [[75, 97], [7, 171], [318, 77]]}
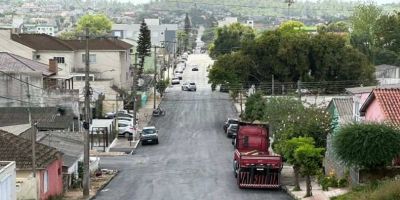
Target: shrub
{"points": [[367, 145], [377, 190]]}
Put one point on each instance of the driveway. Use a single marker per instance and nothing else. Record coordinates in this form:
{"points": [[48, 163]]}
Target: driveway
{"points": [[194, 157]]}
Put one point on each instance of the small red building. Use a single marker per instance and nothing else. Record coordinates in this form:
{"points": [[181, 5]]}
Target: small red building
{"points": [[48, 181]]}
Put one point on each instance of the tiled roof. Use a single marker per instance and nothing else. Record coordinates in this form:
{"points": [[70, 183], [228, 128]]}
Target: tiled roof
{"points": [[99, 44], [41, 42], [18, 149], [389, 101], [47, 117], [13, 63], [344, 107], [358, 90], [69, 143], [46, 42]]}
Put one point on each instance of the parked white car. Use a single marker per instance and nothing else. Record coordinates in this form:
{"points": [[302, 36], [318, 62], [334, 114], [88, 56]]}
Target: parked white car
{"points": [[126, 129], [175, 80]]}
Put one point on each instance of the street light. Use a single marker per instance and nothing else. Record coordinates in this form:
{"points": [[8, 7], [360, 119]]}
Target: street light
{"points": [[110, 70]]}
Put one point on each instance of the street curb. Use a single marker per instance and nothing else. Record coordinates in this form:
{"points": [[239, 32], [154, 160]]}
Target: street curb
{"points": [[103, 186], [284, 188], [134, 148]]}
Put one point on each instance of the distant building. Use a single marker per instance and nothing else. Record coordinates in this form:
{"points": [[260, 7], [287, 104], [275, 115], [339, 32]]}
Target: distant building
{"points": [[39, 28], [227, 21], [159, 32], [387, 74]]}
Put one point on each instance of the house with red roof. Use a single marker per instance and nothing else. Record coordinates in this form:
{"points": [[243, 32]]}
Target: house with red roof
{"points": [[382, 105]]}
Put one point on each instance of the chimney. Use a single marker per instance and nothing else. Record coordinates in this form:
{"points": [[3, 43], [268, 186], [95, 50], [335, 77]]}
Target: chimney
{"points": [[53, 66]]}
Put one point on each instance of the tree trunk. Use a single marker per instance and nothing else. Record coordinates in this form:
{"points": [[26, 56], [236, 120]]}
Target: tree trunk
{"points": [[296, 170], [309, 188]]}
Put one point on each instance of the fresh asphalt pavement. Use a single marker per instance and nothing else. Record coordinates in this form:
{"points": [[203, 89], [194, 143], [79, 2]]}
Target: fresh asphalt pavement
{"points": [[194, 157]]}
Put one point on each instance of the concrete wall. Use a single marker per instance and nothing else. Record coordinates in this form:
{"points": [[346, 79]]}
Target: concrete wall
{"points": [[26, 185], [7, 181], [374, 112], [8, 45], [16, 89]]}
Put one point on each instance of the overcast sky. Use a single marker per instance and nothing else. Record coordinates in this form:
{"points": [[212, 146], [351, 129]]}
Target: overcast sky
{"points": [[377, 1]]}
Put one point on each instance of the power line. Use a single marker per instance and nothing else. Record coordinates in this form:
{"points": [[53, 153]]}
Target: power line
{"points": [[21, 80]]}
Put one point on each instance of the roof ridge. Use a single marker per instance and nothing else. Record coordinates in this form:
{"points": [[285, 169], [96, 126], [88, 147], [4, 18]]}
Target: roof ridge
{"points": [[14, 56]]}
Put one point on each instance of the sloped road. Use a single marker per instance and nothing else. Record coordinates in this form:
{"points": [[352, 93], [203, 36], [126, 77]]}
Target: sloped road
{"points": [[194, 157]]}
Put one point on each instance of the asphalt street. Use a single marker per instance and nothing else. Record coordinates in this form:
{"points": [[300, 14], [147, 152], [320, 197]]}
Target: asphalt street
{"points": [[194, 157]]}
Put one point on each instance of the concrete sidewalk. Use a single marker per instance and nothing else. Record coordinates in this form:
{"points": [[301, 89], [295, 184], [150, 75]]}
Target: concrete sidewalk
{"points": [[318, 193], [145, 114]]}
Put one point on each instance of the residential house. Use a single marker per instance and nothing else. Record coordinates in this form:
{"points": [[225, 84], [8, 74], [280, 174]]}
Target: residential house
{"points": [[341, 112], [360, 95], [7, 180], [382, 105], [71, 145], [46, 118], [106, 55], [47, 181], [387, 74], [18, 75], [227, 21]]}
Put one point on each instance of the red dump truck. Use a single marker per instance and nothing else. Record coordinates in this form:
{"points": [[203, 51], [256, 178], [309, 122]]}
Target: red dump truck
{"points": [[254, 165]]}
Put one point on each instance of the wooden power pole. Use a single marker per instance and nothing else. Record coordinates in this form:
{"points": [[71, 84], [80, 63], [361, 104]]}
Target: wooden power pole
{"points": [[86, 172]]}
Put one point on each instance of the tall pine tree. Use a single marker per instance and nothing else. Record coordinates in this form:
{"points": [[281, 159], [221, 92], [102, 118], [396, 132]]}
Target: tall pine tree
{"points": [[187, 28], [144, 45]]}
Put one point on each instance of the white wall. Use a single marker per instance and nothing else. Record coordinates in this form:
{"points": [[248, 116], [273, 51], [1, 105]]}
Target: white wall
{"points": [[7, 181], [63, 69], [8, 45], [26, 187]]}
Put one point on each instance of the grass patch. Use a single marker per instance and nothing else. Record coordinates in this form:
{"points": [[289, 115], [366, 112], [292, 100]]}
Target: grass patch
{"points": [[377, 190]]}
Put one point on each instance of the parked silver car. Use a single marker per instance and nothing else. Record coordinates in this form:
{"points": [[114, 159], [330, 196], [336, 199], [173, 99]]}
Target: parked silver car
{"points": [[149, 135], [126, 129]]}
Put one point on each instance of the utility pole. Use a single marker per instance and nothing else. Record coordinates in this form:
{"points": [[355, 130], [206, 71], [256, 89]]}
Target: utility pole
{"points": [[273, 85], [33, 126], [86, 174], [241, 100], [155, 76], [134, 89]]}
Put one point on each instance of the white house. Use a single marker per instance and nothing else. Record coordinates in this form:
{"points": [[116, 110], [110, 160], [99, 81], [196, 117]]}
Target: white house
{"points": [[7, 180], [132, 31], [109, 58]]}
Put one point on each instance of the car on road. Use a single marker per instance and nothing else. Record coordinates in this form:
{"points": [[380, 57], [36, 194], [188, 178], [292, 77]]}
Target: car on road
{"points": [[230, 121], [179, 75], [126, 129], [195, 68], [223, 88], [109, 115], [175, 81], [191, 86], [185, 86], [232, 130], [149, 135]]}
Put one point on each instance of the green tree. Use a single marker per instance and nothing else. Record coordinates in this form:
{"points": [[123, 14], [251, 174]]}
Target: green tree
{"points": [[229, 38], [69, 35], [310, 158], [291, 27], [367, 145], [144, 45], [161, 86], [289, 148], [255, 106], [182, 38], [388, 32], [98, 24], [187, 27], [364, 23]]}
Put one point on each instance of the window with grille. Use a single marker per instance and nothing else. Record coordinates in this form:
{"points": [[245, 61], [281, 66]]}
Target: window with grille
{"points": [[92, 58], [59, 59]]}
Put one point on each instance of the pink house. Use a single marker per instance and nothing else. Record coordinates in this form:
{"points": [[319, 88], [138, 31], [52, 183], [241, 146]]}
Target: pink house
{"points": [[48, 181], [382, 105]]}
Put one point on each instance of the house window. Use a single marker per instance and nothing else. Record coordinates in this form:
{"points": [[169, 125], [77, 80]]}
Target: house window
{"points": [[92, 58], [357, 111], [46, 181], [59, 59], [37, 57]]}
